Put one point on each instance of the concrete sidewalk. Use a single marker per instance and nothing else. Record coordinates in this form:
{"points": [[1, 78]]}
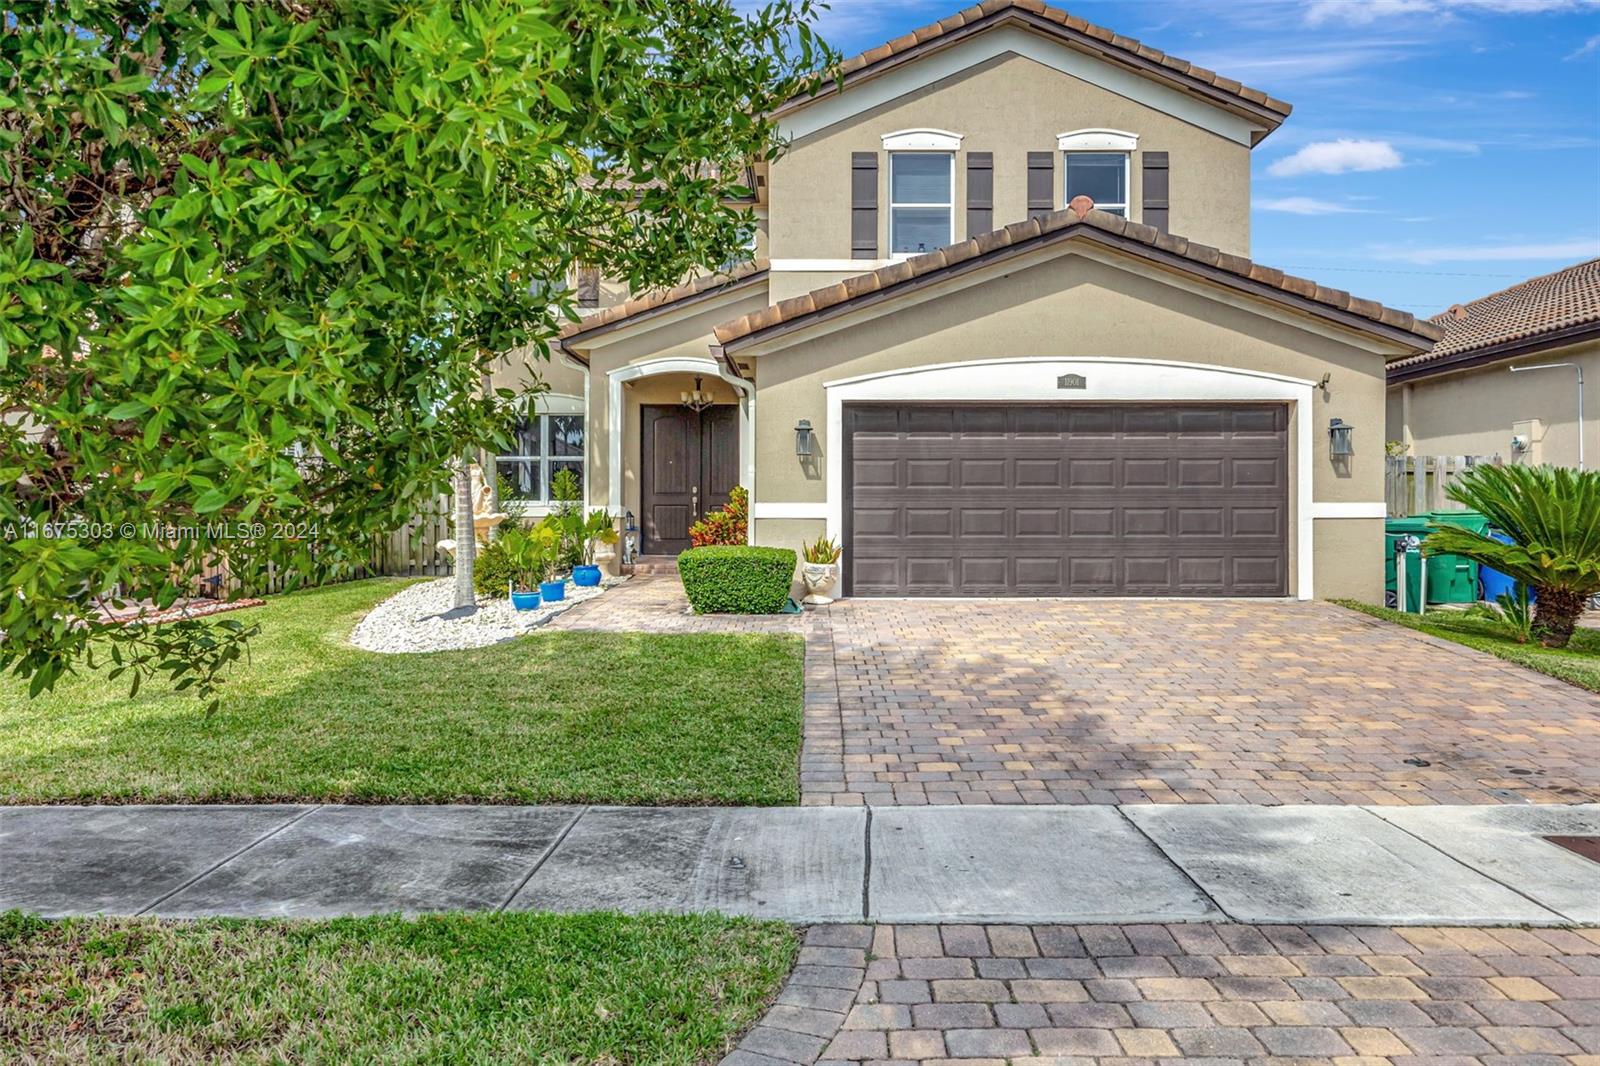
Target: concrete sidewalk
{"points": [[1072, 864]]}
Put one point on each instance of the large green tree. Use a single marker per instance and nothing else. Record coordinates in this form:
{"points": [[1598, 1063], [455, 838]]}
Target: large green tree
{"points": [[255, 259]]}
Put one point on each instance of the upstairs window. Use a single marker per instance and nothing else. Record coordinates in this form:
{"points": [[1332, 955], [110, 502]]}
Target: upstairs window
{"points": [[921, 201], [1102, 177]]}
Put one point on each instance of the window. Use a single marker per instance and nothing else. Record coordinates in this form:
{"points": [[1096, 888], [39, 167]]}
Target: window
{"points": [[543, 445], [1102, 177], [921, 201]]}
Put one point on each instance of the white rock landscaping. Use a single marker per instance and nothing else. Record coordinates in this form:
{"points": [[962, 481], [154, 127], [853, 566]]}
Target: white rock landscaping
{"points": [[412, 620]]}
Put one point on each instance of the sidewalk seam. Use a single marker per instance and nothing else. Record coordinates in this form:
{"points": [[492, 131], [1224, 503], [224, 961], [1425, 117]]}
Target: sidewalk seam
{"points": [[540, 861], [225, 861], [1176, 865], [1468, 866]]}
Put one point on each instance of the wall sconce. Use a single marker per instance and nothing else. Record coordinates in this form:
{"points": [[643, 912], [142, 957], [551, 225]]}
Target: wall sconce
{"points": [[804, 439], [1339, 437]]}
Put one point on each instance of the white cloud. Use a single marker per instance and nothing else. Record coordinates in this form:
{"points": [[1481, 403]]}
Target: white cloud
{"points": [[1337, 157], [1586, 48], [1570, 250], [1366, 12], [1307, 205]]}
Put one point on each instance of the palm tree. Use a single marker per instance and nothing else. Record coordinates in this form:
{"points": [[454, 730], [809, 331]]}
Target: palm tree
{"points": [[1552, 516]]}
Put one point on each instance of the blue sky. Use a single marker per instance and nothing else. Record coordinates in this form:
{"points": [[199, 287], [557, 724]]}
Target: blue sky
{"points": [[1439, 149]]}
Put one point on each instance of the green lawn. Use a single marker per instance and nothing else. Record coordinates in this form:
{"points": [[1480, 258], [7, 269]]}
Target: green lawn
{"points": [[1578, 663], [594, 988], [549, 718]]}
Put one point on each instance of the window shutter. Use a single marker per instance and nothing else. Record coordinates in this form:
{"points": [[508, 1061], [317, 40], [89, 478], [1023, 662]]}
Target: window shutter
{"points": [[1041, 183], [980, 193], [863, 205], [588, 289], [1153, 211]]}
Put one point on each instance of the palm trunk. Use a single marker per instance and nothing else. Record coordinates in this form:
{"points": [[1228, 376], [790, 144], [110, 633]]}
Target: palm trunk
{"points": [[466, 535], [1555, 613]]}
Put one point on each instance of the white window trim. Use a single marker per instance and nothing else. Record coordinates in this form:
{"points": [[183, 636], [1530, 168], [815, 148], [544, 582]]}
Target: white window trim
{"points": [[1097, 140], [546, 457], [897, 257], [922, 140], [1127, 178]]}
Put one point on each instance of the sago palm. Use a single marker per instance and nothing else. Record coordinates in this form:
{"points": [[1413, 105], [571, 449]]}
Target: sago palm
{"points": [[1552, 516]]}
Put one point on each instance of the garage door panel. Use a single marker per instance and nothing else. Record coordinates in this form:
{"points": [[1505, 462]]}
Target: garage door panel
{"points": [[1069, 499]]}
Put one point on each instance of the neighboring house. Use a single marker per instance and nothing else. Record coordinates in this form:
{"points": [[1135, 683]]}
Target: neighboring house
{"points": [[1053, 401], [1461, 397]]}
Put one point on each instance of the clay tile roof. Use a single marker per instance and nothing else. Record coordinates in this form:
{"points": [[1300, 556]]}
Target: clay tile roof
{"points": [[708, 285], [1082, 221], [1149, 61], [1550, 303]]}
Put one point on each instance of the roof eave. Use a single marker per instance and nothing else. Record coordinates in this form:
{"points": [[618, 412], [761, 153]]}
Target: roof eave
{"points": [[688, 301], [1487, 355]]}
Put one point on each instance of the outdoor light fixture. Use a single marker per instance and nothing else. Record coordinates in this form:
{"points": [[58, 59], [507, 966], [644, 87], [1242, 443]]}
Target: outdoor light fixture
{"points": [[1339, 437], [803, 438], [698, 400]]}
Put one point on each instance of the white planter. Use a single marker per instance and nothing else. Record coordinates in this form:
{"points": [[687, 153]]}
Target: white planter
{"points": [[819, 579]]}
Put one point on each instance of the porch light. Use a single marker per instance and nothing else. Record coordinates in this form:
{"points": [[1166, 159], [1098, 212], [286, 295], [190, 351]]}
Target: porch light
{"points": [[803, 438], [1339, 437], [698, 400]]}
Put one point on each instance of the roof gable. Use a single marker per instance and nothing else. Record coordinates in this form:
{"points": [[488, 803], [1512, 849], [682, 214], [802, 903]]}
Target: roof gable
{"points": [[1265, 113], [1079, 222]]}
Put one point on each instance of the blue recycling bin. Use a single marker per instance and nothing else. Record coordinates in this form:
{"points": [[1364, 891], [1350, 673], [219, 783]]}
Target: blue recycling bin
{"points": [[1494, 582]]}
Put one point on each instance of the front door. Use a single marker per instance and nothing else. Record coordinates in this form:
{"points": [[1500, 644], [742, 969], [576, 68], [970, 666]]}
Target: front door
{"points": [[690, 463]]}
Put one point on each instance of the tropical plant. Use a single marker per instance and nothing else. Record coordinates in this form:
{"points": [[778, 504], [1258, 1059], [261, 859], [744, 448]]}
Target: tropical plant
{"points": [[495, 570], [728, 526], [1516, 614], [823, 550], [598, 528], [255, 259], [533, 553], [1552, 516]]}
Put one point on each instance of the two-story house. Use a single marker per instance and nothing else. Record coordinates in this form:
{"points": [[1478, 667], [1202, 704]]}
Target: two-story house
{"points": [[1002, 336]]}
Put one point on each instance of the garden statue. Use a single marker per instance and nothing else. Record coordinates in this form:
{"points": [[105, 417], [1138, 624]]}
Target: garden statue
{"points": [[484, 520]]}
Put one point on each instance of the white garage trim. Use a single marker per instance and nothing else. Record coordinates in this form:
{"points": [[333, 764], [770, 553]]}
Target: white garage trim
{"points": [[1378, 509], [682, 365], [1034, 380]]}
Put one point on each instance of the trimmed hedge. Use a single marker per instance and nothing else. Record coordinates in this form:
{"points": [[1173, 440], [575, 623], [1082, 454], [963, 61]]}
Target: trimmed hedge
{"points": [[737, 580]]}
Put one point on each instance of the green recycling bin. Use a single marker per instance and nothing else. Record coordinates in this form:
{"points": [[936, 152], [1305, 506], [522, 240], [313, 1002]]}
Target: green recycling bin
{"points": [[1453, 578], [1396, 529]]}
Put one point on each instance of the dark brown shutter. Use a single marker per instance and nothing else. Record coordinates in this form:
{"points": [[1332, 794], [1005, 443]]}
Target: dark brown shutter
{"points": [[863, 205], [980, 193], [1153, 211], [1041, 183], [588, 293]]}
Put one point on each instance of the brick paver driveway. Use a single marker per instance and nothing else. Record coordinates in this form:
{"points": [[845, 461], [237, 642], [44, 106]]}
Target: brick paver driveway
{"points": [[1112, 701], [1219, 994]]}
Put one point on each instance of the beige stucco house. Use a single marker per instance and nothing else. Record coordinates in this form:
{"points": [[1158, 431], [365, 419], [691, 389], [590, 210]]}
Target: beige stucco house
{"points": [[1001, 336], [1476, 392]]}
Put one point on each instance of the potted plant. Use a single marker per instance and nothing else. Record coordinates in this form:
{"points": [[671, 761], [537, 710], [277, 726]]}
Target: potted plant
{"points": [[525, 553], [598, 528], [552, 545], [820, 569]]}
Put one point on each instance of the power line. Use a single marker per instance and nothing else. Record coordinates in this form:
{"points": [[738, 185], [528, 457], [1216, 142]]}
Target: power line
{"points": [[1411, 273]]}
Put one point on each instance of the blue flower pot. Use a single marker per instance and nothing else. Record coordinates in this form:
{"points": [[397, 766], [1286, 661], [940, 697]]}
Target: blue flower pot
{"points": [[553, 590], [525, 601], [586, 576]]}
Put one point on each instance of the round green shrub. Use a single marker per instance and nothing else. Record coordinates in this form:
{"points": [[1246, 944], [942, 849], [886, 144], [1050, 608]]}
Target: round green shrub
{"points": [[492, 571], [737, 580]]}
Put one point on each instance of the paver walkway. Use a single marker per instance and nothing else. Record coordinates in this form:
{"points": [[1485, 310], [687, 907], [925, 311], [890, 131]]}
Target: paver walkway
{"points": [[1146, 701], [1212, 994]]}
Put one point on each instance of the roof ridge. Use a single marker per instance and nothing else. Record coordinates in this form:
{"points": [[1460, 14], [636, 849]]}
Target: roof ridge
{"points": [[1514, 286], [1100, 38], [1080, 215], [656, 299]]}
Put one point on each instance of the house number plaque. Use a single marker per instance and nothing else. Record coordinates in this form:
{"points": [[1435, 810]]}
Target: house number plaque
{"points": [[1072, 381]]}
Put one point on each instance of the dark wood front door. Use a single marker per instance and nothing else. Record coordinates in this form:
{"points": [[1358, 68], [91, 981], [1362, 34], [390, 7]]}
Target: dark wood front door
{"points": [[689, 464]]}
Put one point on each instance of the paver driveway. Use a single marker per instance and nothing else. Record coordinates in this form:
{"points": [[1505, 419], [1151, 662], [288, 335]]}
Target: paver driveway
{"points": [[1107, 701]]}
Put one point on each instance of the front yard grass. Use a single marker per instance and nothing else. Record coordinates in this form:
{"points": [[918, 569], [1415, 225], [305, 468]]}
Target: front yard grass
{"points": [[554, 717], [1577, 664], [593, 988]]}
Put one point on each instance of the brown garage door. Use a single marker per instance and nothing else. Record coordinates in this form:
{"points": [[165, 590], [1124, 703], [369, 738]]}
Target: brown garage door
{"points": [[1080, 499]]}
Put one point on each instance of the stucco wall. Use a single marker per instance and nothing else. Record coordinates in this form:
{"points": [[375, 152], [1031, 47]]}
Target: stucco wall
{"points": [[1077, 306], [1475, 412], [1009, 106]]}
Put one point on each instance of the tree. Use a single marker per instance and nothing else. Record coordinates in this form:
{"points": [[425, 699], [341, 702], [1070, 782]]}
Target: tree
{"points": [[1552, 516], [255, 259]]}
